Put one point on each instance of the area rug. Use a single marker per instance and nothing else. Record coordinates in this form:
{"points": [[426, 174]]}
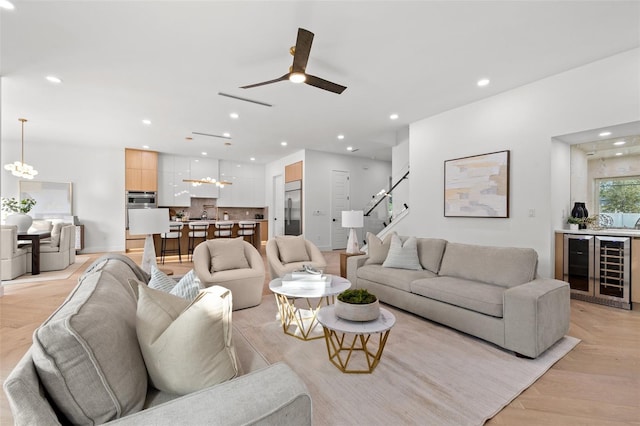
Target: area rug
{"points": [[429, 374], [50, 275]]}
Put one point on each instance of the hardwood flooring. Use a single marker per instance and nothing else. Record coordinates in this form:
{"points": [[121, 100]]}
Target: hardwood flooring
{"points": [[598, 383]]}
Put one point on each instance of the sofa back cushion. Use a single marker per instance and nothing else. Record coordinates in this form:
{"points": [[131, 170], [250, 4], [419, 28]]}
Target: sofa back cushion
{"points": [[430, 252], [292, 249], [503, 266], [87, 354]]}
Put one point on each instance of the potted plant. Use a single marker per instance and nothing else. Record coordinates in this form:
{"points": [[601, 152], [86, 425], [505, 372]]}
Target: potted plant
{"points": [[18, 210], [575, 222], [357, 305]]}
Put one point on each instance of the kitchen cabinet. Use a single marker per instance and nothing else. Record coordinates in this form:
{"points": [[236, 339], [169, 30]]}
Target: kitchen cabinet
{"points": [[201, 168], [293, 172], [141, 170], [172, 191], [247, 188]]}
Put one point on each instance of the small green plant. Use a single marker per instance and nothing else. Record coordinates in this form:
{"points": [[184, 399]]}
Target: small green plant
{"points": [[358, 296], [14, 206], [575, 220]]}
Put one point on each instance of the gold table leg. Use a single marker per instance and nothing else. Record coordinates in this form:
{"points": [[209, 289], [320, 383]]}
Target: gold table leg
{"points": [[340, 352], [302, 319]]}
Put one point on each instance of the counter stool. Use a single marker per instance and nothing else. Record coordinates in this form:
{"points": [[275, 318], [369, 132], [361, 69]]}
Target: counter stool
{"points": [[224, 229], [247, 229], [175, 232], [197, 231]]}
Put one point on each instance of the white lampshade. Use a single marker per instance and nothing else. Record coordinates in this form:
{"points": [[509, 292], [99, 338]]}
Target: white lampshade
{"points": [[148, 222], [352, 219]]}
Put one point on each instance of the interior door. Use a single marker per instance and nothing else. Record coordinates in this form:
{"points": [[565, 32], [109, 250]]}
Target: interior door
{"points": [[277, 219], [340, 192]]}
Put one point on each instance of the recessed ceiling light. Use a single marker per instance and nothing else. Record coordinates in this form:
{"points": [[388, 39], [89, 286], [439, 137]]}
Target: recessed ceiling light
{"points": [[53, 79], [283, 143], [603, 134], [6, 4], [340, 137], [145, 146], [618, 153], [234, 115], [349, 148], [146, 122], [252, 158], [483, 82], [188, 138], [619, 143], [227, 143], [394, 116], [204, 153], [226, 134]]}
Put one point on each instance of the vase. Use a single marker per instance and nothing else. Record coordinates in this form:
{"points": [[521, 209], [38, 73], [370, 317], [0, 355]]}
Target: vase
{"points": [[22, 220], [356, 312], [580, 210]]}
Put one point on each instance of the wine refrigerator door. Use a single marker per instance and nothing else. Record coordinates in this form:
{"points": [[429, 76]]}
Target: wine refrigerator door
{"points": [[578, 263], [612, 268]]}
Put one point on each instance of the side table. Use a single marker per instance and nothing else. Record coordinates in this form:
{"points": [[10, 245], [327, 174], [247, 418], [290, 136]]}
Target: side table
{"points": [[343, 262], [342, 350]]}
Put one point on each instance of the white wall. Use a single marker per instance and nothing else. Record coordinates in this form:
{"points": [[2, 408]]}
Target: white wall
{"points": [[400, 166], [97, 175], [523, 120], [579, 177]]}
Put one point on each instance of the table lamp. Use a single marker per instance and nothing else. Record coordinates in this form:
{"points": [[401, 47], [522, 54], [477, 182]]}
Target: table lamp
{"points": [[148, 222], [353, 219]]}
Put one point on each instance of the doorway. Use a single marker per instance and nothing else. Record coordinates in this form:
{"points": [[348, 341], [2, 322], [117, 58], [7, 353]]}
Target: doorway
{"points": [[340, 200], [277, 221]]}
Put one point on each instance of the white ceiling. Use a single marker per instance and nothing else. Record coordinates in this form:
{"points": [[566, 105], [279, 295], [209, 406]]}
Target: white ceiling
{"points": [[166, 61]]}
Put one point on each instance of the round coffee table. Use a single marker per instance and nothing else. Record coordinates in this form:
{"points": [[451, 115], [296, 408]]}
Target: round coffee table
{"points": [[341, 351], [299, 321]]}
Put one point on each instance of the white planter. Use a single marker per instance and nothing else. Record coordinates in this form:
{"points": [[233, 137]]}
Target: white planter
{"points": [[353, 312], [573, 226], [22, 220]]}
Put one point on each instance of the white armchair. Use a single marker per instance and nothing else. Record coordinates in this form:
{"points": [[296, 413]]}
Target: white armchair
{"points": [[13, 260], [60, 251], [288, 253]]}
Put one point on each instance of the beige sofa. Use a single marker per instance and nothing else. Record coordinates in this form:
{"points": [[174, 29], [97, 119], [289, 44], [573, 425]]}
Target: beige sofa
{"points": [[100, 376], [13, 260], [492, 293]]}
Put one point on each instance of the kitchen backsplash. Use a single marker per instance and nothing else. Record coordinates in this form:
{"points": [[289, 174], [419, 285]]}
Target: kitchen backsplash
{"points": [[198, 205]]}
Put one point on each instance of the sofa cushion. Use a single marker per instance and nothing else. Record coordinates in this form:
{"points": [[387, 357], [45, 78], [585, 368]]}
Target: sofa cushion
{"points": [[87, 354], [479, 297], [503, 266], [55, 233], [292, 248], [186, 346], [377, 248], [430, 252], [228, 254], [396, 278], [187, 288], [403, 255]]}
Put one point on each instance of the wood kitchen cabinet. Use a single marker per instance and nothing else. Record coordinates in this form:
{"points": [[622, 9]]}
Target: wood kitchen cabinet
{"points": [[293, 172], [141, 170]]}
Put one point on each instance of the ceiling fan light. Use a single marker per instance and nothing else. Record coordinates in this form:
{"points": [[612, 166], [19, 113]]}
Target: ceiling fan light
{"points": [[297, 77]]}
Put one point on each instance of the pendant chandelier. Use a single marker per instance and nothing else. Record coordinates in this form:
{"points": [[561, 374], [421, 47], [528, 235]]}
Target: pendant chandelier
{"points": [[20, 168]]}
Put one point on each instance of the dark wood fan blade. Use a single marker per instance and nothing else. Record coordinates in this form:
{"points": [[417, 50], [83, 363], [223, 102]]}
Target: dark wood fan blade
{"points": [[303, 48], [284, 77], [324, 84]]}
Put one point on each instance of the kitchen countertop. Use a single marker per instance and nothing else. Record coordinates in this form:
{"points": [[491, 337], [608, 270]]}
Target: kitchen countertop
{"points": [[213, 221], [614, 232]]}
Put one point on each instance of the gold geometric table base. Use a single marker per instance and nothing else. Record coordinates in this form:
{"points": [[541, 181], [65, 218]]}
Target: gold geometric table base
{"points": [[340, 354], [302, 320]]}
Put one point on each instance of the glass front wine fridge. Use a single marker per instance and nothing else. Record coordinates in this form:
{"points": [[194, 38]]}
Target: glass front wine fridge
{"points": [[598, 268]]}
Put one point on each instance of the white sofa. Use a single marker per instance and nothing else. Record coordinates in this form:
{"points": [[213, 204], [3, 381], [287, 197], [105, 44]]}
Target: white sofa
{"points": [[493, 293], [13, 260]]}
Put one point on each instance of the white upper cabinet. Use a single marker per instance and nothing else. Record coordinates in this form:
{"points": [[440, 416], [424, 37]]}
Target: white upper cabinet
{"points": [[247, 188], [202, 168], [173, 169]]}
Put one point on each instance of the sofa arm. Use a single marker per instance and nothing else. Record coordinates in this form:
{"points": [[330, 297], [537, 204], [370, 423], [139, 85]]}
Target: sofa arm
{"points": [[536, 315], [271, 396], [353, 263]]}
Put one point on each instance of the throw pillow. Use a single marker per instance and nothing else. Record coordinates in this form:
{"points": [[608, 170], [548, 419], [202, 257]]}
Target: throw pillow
{"points": [[378, 248], [403, 256], [186, 346], [55, 234], [292, 248], [228, 254], [187, 288]]}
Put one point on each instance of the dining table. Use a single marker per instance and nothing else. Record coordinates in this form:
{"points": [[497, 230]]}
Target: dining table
{"points": [[35, 238]]}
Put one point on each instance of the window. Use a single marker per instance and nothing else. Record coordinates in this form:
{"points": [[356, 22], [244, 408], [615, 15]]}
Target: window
{"points": [[619, 198]]}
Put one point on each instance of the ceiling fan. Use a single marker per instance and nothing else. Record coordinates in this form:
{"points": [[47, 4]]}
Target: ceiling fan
{"points": [[297, 70]]}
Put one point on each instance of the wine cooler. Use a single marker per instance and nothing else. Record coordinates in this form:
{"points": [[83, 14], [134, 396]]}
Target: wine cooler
{"points": [[598, 268]]}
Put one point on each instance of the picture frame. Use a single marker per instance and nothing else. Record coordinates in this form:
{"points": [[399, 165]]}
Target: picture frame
{"points": [[477, 186], [53, 198]]}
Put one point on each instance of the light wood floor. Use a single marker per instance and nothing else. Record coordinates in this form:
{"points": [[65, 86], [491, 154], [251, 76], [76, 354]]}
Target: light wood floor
{"points": [[598, 383]]}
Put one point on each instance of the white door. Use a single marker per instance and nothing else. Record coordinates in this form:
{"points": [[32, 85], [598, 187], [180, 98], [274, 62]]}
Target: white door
{"points": [[277, 217], [339, 202]]}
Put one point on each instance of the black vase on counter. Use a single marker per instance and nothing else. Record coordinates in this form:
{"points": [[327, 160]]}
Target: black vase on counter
{"points": [[580, 211]]}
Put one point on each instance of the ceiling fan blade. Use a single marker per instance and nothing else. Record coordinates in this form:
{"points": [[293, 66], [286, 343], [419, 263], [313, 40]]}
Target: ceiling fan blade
{"points": [[284, 77], [303, 48], [324, 84]]}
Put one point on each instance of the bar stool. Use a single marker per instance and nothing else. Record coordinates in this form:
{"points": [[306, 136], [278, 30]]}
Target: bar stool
{"points": [[247, 229], [224, 229], [197, 231], [175, 232]]}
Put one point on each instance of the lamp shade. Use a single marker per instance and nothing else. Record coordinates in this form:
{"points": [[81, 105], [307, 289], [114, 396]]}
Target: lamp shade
{"points": [[148, 221], [352, 219]]}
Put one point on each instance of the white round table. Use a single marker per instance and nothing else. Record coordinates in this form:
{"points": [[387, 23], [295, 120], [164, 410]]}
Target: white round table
{"points": [[299, 321]]}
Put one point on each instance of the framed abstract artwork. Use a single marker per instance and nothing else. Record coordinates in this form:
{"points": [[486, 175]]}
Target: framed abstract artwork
{"points": [[477, 186]]}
